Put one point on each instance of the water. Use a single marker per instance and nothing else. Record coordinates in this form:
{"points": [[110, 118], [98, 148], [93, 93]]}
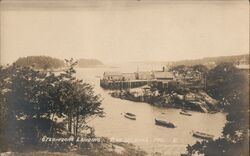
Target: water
{"points": [[143, 132]]}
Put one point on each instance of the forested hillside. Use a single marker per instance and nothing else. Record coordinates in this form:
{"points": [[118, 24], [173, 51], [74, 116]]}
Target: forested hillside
{"points": [[40, 62], [215, 60]]}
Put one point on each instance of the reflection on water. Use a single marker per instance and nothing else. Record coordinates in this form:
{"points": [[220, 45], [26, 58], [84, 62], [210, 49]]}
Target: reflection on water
{"points": [[143, 132]]}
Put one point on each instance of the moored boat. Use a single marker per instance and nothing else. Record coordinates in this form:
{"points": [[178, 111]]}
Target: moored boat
{"points": [[185, 113], [130, 116], [164, 123], [203, 135]]}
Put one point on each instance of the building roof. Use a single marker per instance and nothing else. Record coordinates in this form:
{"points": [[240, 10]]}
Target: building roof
{"points": [[113, 73], [144, 73], [128, 74], [243, 66], [145, 87], [160, 75], [131, 76]]}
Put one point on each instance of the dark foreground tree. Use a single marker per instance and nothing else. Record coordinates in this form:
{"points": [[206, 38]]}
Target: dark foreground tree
{"points": [[31, 100], [231, 87], [3, 108], [79, 100], [224, 79]]}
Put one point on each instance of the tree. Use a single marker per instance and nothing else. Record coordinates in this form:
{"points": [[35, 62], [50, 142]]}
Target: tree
{"points": [[235, 139], [231, 86], [224, 79], [200, 68], [30, 100], [29, 105], [181, 69], [3, 108], [79, 99], [40, 62]]}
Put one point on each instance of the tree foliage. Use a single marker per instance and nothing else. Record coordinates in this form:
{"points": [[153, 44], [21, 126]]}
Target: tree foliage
{"points": [[30, 100], [211, 61], [231, 87], [40, 62], [78, 98], [225, 79], [200, 68], [183, 69]]}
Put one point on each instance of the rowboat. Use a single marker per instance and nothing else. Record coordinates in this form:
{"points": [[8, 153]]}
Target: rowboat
{"points": [[203, 135], [185, 113], [164, 123], [130, 116]]}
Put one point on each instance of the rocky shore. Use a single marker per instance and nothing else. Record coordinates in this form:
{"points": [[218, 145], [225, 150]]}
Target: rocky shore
{"points": [[195, 101]]}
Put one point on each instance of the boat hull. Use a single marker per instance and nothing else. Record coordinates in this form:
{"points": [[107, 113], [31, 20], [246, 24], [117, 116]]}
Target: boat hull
{"points": [[164, 123], [130, 117], [184, 113], [203, 135]]}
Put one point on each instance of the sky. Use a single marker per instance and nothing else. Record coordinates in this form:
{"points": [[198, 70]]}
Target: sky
{"points": [[123, 30]]}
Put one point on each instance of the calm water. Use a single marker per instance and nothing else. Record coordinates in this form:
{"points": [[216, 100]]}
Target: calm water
{"points": [[143, 132]]}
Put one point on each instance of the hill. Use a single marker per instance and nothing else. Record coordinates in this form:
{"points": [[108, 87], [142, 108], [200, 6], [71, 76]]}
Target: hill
{"points": [[213, 60]]}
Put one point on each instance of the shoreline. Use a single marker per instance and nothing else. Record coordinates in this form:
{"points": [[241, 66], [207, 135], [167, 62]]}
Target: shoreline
{"points": [[171, 102]]}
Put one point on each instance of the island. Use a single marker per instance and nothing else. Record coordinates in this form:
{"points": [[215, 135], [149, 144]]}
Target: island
{"points": [[40, 62]]}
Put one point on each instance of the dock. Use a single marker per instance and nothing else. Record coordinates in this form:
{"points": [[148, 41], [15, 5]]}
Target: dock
{"points": [[108, 84]]}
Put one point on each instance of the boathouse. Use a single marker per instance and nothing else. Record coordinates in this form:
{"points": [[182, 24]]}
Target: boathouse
{"points": [[128, 76], [163, 78], [112, 76], [118, 80], [144, 75]]}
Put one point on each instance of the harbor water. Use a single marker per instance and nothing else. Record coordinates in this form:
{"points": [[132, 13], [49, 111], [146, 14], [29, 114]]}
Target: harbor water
{"points": [[143, 132]]}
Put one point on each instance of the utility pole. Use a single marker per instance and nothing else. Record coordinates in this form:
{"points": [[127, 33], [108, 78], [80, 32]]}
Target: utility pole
{"points": [[205, 81]]}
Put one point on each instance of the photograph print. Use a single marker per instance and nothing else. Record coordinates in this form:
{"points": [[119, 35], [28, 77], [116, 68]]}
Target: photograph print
{"points": [[124, 78]]}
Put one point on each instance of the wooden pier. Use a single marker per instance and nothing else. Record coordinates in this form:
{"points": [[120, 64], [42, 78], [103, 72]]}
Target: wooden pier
{"points": [[107, 84]]}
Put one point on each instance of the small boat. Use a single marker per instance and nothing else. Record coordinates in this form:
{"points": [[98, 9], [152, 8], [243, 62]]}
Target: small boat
{"points": [[203, 135], [185, 113], [213, 112], [115, 94], [164, 123], [130, 116]]}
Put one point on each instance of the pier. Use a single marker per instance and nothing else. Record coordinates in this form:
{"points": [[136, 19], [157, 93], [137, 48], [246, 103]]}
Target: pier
{"points": [[109, 84]]}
